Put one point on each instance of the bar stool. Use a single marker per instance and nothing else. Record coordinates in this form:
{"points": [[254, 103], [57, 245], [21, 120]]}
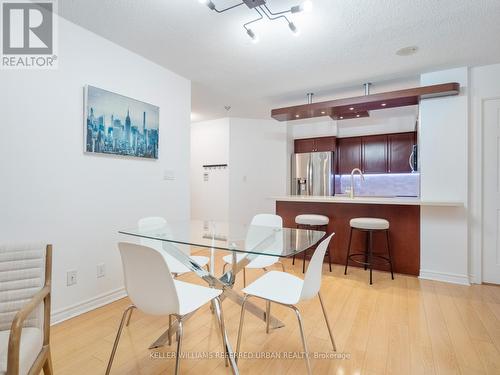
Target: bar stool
{"points": [[369, 225], [313, 222]]}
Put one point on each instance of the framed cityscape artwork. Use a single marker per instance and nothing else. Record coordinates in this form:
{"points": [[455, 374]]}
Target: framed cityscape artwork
{"points": [[116, 124]]}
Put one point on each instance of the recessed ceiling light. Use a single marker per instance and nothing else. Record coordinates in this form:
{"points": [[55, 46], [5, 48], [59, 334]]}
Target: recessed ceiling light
{"points": [[358, 115], [341, 117], [383, 104], [351, 109], [407, 51], [297, 116], [323, 112]]}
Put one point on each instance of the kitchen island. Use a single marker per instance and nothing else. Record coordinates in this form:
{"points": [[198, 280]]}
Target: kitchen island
{"points": [[402, 213]]}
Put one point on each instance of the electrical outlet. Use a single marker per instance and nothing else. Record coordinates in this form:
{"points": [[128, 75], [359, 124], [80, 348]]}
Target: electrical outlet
{"points": [[71, 278], [101, 270]]}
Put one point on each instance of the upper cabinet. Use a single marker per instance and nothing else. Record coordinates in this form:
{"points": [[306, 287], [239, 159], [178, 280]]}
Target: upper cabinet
{"points": [[322, 144], [387, 153], [374, 154], [400, 147], [349, 152]]}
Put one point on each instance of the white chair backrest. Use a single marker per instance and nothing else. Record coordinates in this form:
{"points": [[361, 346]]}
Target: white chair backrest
{"points": [[148, 281], [151, 224], [157, 223], [267, 220], [22, 274], [256, 235], [312, 279]]}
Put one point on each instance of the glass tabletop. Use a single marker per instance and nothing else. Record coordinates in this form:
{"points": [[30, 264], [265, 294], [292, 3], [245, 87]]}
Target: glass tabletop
{"points": [[250, 239]]}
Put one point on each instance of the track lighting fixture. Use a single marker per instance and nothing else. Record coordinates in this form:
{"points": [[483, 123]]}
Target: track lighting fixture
{"points": [[260, 6]]}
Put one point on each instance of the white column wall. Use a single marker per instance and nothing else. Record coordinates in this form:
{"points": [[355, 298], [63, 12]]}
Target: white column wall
{"points": [[443, 142]]}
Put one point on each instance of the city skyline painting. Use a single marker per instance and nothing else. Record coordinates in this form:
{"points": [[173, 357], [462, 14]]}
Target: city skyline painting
{"points": [[119, 125]]}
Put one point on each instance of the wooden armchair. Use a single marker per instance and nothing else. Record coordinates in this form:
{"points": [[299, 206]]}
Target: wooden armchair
{"points": [[25, 291]]}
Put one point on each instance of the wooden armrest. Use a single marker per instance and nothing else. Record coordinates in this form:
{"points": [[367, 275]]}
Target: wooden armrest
{"points": [[17, 326]]}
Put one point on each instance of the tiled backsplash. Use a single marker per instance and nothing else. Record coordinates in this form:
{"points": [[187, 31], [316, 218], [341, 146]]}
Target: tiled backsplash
{"points": [[382, 185]]}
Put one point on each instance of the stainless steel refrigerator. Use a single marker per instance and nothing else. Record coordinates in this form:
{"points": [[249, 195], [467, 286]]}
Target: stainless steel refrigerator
{"points": [[313, 174]]}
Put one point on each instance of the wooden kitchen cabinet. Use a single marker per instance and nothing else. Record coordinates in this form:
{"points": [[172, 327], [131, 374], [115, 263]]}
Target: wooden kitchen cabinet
{"points": [[385, 153], [400, 147], [321, 144], [348, 154], [374, 154]]}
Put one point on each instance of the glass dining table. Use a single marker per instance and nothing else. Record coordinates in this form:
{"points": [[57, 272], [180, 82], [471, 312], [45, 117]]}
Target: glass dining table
{"points": [[243, 241]]}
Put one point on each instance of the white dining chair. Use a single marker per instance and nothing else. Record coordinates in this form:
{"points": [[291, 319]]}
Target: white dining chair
{"points": [[288, 290], [153, 290], [261, 261], [175, 266]]}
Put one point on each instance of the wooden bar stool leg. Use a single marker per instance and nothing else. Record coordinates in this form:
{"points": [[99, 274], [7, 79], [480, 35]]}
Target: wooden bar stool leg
{"points": [[348, 252], [389, 251]]}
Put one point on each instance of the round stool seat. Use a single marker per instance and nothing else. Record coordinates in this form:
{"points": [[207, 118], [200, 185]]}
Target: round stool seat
{"points": [[369, 223], [312, 220]]}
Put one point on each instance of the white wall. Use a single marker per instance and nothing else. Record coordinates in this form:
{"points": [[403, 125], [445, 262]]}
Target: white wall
{"points": [[257, 154], [258, 167], [443, 142], [210, 145], [51, 191], [484, 85]]}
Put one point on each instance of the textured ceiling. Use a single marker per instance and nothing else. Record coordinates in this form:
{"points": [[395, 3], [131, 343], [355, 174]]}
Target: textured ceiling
{"points": [[342, 44]]}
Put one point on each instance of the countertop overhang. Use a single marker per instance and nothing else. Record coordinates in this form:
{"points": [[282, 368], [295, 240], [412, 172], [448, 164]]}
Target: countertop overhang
{"points": [[407, 201]]}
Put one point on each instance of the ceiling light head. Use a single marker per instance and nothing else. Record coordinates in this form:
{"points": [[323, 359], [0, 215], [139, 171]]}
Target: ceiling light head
{"points": [[297, 116], [252, 35], [407, 51], [323, 112], [306, 6], [293, 28], [383, 104], [351, 109], [341, 117], [358, 116]]}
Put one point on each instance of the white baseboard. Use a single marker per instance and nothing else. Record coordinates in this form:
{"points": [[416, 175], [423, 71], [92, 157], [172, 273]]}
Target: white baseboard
{"points": [[445, 277], [86, 306]]}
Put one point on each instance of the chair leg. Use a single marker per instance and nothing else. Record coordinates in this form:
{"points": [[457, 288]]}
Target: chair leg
{"points": [[327, 322], [304, 262], [224, 268], [179, 347], [304, 343], [330, 259], [370, 256], [117, 339], [348, 252], [293, 260], [389, 251], [268, 315], [169, 329], [47, 366], [240, 328], [282, 266], [129, 317], [244, 277], [367, 249], [208, 267]]}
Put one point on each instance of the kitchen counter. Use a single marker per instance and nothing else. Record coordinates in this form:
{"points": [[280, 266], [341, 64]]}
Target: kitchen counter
{"points": [[405, 201]]}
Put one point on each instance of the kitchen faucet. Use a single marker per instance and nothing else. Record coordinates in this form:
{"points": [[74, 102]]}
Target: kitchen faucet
{"points": [[353, 172]]}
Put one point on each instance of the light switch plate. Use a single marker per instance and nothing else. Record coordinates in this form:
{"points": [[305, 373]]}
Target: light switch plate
{"points": [[168, 175]]}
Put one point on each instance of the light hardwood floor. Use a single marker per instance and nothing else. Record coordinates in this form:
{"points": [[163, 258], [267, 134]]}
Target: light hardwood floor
{"points": [[405, 326]]}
